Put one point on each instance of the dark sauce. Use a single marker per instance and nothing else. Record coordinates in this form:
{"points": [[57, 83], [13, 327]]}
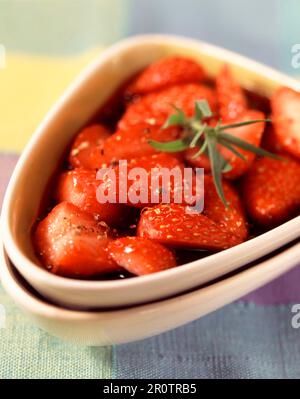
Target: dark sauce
{"points": [[109, 114]]}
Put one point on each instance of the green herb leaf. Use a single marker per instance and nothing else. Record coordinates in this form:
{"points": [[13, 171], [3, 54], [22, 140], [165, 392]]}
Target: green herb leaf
{"points": [[177, 119], [227, 168], [247, 146], [196, 133], [197, 136], [232, 149], [217, 163], [169, 146], [244, 123], [202, 109], [201, 150]]}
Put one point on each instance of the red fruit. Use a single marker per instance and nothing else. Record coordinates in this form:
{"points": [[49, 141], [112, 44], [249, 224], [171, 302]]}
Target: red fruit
{"points": [[133, 143], [272, 190], [167, 72], [139, 190], [250, 133], [231, 97], [71, 243], [87, 147], [285, 105], [270, 141], [232, 219], [79, 186], [215, 229], [155, 108], [141, 256]]}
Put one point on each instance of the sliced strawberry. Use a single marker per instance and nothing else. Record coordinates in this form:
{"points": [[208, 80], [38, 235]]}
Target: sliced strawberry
{"points": [[133, 143], [250, 133], [173, 225], [87, 147], [154, 108], [71, 243], [285, 105], [215, 229], [272, 190], [231, 97], [141, 190], [167, 72], [231, 218], [141, 256], [79, 186]]}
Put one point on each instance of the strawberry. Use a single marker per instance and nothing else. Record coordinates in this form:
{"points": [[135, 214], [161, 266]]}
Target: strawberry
{"points": [[141, 256], [154, 108], [270, 143], [79, 186], [272, 190], [167, 72], [232, 218], [285, 104], [87, 146], [140, 189], [215, 229], [71, 243], [133, 143], [250, 133], [231, 97]]}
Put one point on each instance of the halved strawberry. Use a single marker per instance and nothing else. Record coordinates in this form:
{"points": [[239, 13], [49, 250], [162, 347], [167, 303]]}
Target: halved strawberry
{"points": [[87, 146], [167, 72], [155, 108], [272, 190], [250, 133], [142, 189], [231, 97], [232, 218], [141, 256], [285, 104], [79, 186], [215, 229], [71, 243], [133, 143]]}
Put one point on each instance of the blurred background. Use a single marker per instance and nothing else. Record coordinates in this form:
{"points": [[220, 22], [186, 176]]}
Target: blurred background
{"points": [[47, 42]]}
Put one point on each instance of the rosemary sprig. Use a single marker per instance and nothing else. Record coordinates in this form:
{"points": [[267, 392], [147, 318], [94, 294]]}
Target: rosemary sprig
{"points": [[196, 133]]}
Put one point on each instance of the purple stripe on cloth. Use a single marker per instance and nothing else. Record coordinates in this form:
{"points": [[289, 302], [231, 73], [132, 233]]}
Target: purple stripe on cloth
{"points": [[284, 290]]}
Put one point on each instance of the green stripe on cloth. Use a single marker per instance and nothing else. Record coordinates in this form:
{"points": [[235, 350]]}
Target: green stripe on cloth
{"points": [[27, 352], [55, 27]]}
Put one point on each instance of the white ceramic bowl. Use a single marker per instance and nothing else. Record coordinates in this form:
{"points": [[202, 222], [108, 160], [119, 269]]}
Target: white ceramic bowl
{"points": [[73, 110], [121, 326]]}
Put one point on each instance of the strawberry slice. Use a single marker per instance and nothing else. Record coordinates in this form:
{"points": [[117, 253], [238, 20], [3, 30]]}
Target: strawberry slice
{"points": [[141, 190], [79, 187], [285, 104], [232, 218], [231, 97], [87, 146], [250, 133], [133, 143], [141, 256], [272, 190], [72, 244], [155, 108], [215, 229], [167, 72]]}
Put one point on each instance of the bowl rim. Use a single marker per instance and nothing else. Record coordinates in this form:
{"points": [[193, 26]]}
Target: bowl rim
{"points": [[38, 306], [43, 275]]}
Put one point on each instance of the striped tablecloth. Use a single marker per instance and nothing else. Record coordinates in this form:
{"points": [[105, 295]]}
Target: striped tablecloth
{"points": [[47, 43]]}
